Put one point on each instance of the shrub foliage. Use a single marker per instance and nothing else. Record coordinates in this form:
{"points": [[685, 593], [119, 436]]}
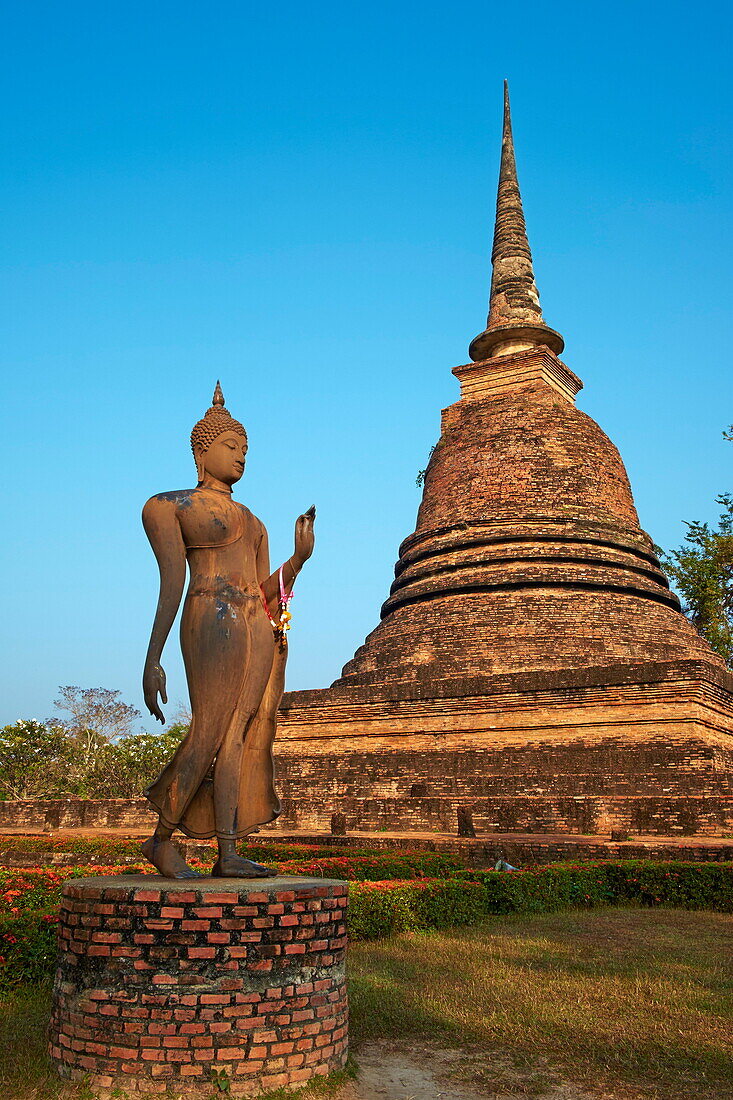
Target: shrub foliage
{"points": [[381, 905]]}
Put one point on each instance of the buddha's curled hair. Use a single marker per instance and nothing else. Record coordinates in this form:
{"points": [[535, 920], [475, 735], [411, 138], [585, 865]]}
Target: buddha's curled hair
{"points": [[216, 420]]}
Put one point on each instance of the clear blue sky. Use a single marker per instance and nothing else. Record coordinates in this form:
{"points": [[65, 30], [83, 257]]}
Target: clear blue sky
{"points": [[298, 199]]}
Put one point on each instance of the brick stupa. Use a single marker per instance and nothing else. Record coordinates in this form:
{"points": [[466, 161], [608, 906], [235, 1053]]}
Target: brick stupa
{"points": [[531, 663]]}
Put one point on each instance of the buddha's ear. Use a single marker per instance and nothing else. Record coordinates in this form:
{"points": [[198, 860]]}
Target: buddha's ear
{"points": [[198, 453]]}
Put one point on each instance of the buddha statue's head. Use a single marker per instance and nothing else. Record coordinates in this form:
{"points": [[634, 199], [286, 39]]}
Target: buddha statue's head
{"points": [[219, 443]]}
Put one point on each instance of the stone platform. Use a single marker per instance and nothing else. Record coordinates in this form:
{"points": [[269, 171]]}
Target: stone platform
{"points": [[164, 984]]}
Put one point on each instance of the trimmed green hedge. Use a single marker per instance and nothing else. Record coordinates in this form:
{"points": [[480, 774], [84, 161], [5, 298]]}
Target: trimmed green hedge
{"points": [[378, 909], [544, 889], [684, 885], [385, 908], [641, 882]]}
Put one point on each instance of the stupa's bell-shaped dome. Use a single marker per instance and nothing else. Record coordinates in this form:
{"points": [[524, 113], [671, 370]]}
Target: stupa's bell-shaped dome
{"points": [[528, 555]]}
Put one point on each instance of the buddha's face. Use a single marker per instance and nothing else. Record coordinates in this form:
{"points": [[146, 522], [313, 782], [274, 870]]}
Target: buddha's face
{"points": [[225, 458]]}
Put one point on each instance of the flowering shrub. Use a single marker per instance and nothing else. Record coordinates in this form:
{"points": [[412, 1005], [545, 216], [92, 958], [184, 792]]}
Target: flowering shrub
{"points": [[413, 900], [40, 889], [50, 849], [29, 902], [376, 867], [280, 851], [27, 947]]}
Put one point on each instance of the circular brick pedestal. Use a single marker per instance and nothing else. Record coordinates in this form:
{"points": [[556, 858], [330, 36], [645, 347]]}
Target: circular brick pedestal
{"points": [[165, 984]]}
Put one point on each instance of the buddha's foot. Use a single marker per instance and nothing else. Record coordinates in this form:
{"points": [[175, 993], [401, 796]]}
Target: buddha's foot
{"points": [[234, 866], [164, 855]]}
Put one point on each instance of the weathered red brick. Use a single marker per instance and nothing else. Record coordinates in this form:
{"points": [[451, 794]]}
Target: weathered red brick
{"points": [[230, 1054], [199, 1041], [158, 1070], [179, 1055], [210, 912], [186, 1027]]}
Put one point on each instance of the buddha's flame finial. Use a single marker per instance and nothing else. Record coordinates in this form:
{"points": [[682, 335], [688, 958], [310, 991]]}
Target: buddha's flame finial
{"points": [[515, 316], [218, 398]]}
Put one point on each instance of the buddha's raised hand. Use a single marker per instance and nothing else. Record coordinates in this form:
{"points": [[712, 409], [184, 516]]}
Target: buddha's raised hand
{"points": [[305, 538], [153, 686]]}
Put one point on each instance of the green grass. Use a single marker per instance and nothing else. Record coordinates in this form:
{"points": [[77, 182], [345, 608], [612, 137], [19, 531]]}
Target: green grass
{"points": [[635, 1004], [635, 1001], [25, 1070]]}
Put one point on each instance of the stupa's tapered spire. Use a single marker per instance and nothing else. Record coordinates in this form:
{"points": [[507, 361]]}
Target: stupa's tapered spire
{"points": [[515, 317]]}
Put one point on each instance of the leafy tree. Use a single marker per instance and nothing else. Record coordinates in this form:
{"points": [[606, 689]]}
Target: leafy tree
{"points": [[702, 572], [34, 760], [95, 709], [95, 753], [125, 768], [98, 718]]}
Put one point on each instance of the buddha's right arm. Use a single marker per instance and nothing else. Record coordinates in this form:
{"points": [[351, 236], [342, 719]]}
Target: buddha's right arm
{"points": [[162, 528]]}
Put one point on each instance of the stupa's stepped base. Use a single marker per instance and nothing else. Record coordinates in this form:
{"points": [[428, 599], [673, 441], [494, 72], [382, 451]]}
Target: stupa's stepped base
{"points": [[648, 750], [662, 817]]}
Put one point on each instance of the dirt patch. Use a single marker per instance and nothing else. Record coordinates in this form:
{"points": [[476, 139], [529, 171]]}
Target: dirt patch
{"points": [[390, 1071]]}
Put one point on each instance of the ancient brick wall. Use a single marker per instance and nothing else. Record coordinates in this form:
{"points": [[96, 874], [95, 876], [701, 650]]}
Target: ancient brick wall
{"points": [[76, 813], [407, 791]]}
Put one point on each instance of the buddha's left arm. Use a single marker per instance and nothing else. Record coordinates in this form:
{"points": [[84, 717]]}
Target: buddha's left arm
{"points": [[304, 542], [270, 582]]}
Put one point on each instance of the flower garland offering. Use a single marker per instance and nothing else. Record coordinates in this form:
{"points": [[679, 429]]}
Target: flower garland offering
{"points": [[281, 625], [285, 616]]}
